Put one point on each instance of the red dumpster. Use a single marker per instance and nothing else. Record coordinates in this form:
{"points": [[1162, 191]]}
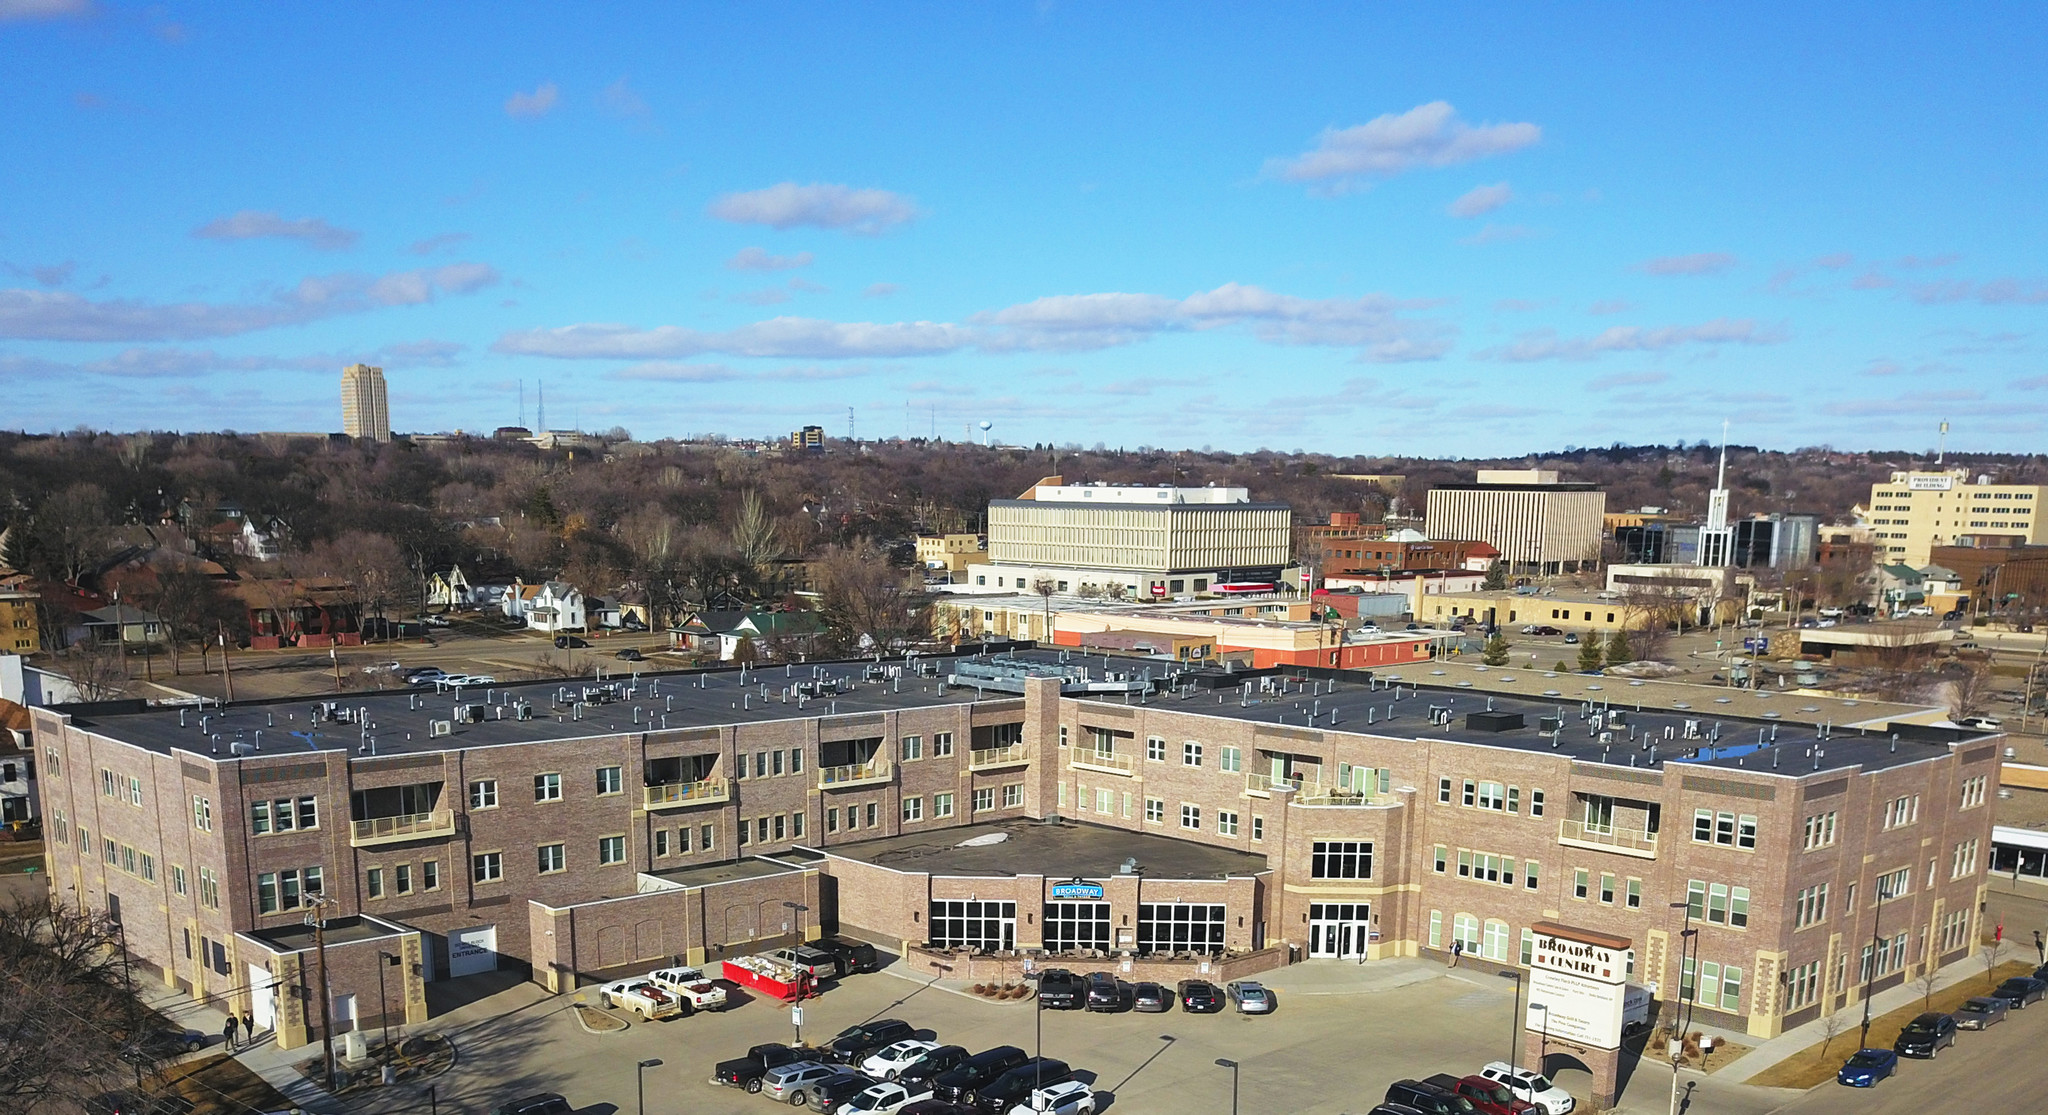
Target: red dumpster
{"points": [[773, 978]]}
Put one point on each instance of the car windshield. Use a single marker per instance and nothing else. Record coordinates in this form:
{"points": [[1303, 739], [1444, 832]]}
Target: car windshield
{"points": [[1460, 1103], [1866, 1060], [1498, 1094], [1918, 1027], [1979, 1006], [1537, 1083]]}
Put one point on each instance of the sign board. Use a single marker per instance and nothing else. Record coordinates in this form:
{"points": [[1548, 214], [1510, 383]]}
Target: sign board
{"points": [[1577, 987], [1077, 890], [1159, 590], [1922, 482], [796, 1016]]}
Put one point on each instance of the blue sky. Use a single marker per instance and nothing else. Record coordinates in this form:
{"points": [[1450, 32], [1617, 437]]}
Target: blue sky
{"points": [[1432, 229]]}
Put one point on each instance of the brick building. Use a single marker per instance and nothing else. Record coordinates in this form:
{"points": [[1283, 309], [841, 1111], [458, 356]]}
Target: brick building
{"points": [[1198, 818]]}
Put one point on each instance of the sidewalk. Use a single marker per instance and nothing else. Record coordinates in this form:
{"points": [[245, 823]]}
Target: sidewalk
{"points": [[277, 1067], [1776, 1049]]}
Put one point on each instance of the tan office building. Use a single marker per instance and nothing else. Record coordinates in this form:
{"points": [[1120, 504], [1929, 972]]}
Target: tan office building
{"points": [[1145, 541], [1539, 524], [1914, 512], [363, 410]]}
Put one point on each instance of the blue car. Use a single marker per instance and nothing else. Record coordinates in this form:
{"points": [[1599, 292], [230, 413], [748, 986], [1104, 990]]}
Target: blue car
{"points": [[1866, 1067]]}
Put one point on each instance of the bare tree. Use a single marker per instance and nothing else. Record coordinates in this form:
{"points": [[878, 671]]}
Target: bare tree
{"points": [[869, 604], [755, 535], [98, 671], [68, 1012], [1969, 689], [65, 536], [1991, 964], [1831, 1027], [1928, 981]]}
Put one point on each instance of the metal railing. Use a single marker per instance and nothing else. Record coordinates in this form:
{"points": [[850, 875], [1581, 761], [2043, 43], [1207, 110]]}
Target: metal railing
{"points": [[1263, 785], [1629, 842], [674, 795], [854, 774], [1314, 793], [406, 826], [1088, 758], [985, 757]]}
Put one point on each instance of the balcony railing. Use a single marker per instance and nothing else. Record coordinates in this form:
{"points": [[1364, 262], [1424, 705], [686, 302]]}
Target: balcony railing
{"points": [[1607, 838], [986, 758], [1313, 793], [1263, 785], [1109, 762], [407, 826], [855, 774], [677, 795]]}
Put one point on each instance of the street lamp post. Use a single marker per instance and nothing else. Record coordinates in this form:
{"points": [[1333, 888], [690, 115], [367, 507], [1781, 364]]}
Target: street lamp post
{"points": [[799, 908], [383, 1006], [1677, 1044], [1515, 1023], [640, 1077], [1870, 972], [1037, 1017], [1225, 1062]]}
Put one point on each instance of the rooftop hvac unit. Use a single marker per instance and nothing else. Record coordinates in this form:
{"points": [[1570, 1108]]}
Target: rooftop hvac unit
{"points": [[440, 728], [523, 711], [469, 714]]}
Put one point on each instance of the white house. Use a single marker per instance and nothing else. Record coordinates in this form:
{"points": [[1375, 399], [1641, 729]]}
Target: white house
{"points": [[263, 544], [555, 606]]}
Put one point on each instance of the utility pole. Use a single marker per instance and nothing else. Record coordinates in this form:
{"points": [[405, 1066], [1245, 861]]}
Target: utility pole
{"points": [[226, 672], [316, 917]]}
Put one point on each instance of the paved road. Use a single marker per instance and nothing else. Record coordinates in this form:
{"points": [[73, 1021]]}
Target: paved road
{"points": [[1998, 1070]]}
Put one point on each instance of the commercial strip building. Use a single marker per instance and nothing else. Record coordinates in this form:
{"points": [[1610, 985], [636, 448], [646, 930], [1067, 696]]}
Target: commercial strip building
{"points": [[1131, 541], [945, 557], [365, 414], [1915, 511], [1237, 820], [1538, 523]]}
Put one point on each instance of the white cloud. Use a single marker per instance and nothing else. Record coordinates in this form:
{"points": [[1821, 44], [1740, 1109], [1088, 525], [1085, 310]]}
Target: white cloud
{"points": [[805, 338], [48, 274], [665, 371], [1996, 292], [1699, 263], [434, 244], [250, 224], [1547, 345], [1429, 135], [1498, 234], [619, 99], [1481, 200], [759, 259], [880, 290], [819, 205], [526, 106], [772, 296], [1610, 306], [169, 362], [1626, 379], [25, 10], [63, 316]]}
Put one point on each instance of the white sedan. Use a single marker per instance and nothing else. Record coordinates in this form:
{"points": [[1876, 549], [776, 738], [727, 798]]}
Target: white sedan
{"points": [[1069, 1098], [886, 1062], [884, 1099]]}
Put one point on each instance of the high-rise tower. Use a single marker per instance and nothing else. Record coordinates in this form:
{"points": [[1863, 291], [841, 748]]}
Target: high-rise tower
{"points": [[363, 411]]}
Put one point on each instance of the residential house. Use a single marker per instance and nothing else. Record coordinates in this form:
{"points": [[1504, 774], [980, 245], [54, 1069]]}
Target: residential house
{"points": [[264, 542], [449, 588], [724, 632], [517, 599], [20, 631], [286, 612], [556, 606], [122, 623]]}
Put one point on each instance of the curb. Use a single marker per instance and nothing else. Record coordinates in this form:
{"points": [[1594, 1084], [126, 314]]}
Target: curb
{"points": [[940, 985]]}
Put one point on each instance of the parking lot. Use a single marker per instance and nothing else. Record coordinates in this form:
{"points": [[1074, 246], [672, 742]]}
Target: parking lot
{"points": [[1318, 1052]]}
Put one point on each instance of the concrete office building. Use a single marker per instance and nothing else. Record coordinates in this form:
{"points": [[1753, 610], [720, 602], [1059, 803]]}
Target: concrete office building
{"points": [[1140, 541], [1216, 823], [1538, 523], [1914, 512], [364, 412]]}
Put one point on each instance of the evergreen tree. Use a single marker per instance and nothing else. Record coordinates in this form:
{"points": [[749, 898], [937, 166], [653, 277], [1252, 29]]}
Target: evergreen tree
{"points": [[1496, 652], [1496, 576], [1589, 654], [1562, 667], [1618, 650]]}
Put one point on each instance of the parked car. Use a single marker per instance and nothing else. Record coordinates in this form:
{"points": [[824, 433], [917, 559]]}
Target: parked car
{"points": [[426, 680], [830, 1095], [854, 956], [547, 1103], [1059, 989], [2020, 990], [630, 655], [434, 621], [1571, 636], [1393, 1109], [1199, 996], [163, 1043], [855, 1042], [1981, 723], [1150, 998], [956, 1083], [569, 642], [1014, 1086], [1490, 1097], [1926, 1035], [692, 990], [1866, 1067], [790, 1083], [937, 1107], [1068, 1097], [746, 1072], [933, 1063], [1428, 1098], [883, 1099], [1532, 1086], [1104, 992], [1981, 1013], [1250, 996], [888, 1062], [643, 997]]}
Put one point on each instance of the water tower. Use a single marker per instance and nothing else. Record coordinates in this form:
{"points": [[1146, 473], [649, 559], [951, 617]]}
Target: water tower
{"points": [[986, 426]]}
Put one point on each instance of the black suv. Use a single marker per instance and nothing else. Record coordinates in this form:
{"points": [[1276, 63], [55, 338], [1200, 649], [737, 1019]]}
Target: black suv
{"points": [[1059, 989], [1428, 1098], [856, 1042], [854, 956], [1104, 992], [1925, 1035], [1014, 1087], [1199, 996], [927, 1068], [976, 1071], [746, 1072], [827, 1096]]}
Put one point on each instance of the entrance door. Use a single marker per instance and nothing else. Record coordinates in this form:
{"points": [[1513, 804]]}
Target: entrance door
{"points": [[1338, 930], [344, 1013], [262, 1000], [473, 950]]}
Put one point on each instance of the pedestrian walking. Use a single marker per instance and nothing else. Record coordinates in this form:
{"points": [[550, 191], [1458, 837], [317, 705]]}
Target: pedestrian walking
{"points": [[248, 1027], [2041, 946], [227, 1031], [1457, 950]]}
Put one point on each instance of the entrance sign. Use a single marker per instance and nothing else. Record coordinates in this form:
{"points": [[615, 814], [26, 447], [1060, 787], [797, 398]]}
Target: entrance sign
{"points": [[1077, 889], [1580, 977]]}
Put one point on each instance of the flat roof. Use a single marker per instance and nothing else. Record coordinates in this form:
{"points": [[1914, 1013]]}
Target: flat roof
{"points": [[340, 931], [705, 874], [1059, 850], [1756, 727], [400, 720]]}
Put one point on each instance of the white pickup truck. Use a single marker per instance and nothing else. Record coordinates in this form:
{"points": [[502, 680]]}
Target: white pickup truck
{"points": [[693, 990], [641, 996]]}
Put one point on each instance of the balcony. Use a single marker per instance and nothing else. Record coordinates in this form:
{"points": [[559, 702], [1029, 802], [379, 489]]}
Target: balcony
{"points": [[1108, 762], [680, 795], [407, 826], [1313, 793], [1607, 838], [855, 774], [989, 758], [1263, 785]]}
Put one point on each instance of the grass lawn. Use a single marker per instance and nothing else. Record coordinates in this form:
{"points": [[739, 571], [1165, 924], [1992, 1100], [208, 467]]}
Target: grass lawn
{"points": [[221, 1085], [1809, 1066]]}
